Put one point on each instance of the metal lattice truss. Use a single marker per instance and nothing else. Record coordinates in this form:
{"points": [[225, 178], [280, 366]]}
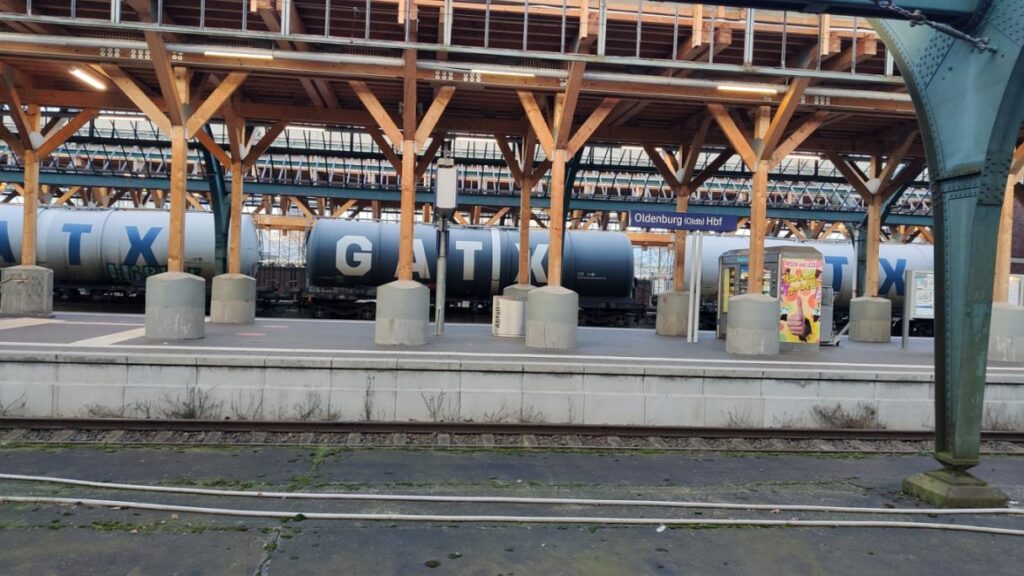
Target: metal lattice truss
{"points": [[125, 153]]}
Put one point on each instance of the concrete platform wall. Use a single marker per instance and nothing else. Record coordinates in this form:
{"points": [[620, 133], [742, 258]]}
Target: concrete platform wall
{"points": [[254, 387]]}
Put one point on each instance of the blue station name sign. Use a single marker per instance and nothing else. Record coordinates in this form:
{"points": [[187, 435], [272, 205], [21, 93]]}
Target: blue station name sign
{"points": [[683, 221]]}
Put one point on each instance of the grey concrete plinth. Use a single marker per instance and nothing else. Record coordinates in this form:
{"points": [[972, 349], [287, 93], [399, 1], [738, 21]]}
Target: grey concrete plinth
{"points": [[233, 300], [175, 306], [753, 327], [518, 291], [673, 314], [947, 488], [552, 318], [1006, 335], [403, 314], [26, 291], [870, 319]]}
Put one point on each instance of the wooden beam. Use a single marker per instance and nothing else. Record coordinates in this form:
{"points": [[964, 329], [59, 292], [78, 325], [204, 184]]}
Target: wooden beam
{"points": [[798, 136], [385, 147], [377, 111], [689, 162], [340, 211], [140, 98], [563, 121], [666, 172], [1017, 164], [851, 174], [907, 175], [866, 46], [894, 160], [66, 197], [69, 128], [510, 158], [235, 127], [782, 116], [264, 143], [429, 121], [214, 102], [165, 77], [423, 164], [210, 144], [496, 217], [733, 133], [710, 170], [11, 140], [9, 93], [592, 123], [538, 123]]}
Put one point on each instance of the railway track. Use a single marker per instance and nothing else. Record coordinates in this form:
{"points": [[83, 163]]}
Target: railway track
{"points": [[46, 431]]}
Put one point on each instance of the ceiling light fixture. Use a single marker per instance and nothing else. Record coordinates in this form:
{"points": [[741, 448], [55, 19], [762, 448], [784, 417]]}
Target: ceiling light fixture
{"points": [[814, 157], [127, 117], [503, 73], [302, 128], [244, 55], [88, 78], [748, 89]]}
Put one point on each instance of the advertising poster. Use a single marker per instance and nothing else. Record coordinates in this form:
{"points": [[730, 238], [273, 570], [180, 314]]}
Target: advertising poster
{"points": [[800, 301]]}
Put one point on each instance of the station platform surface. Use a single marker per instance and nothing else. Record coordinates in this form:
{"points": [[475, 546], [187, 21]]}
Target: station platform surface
{"points": [[280, 337], [42, 539]]}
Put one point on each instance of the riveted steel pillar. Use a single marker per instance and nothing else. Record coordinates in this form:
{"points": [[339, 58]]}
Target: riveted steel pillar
{"points": [[970, 105]]}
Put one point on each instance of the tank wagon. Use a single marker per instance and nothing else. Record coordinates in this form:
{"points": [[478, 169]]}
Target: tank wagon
{"points": [[352, 255], [109, 247], [347, 259], [840, 261]]}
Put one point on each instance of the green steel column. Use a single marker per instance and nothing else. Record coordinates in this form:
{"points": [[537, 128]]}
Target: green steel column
{"points": [[970, 105]]}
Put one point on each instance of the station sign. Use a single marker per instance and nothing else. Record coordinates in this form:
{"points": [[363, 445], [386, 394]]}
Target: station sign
{"points": [[683, 221]]}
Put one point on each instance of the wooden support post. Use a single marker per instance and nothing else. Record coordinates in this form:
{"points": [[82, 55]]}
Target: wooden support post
{"points": [[758, 222], [1004, 245], [556, 218], [30, 197], [874, 232], [524, 226], [408, 210], [428, 216], [235, 229], [176, 239], [679, 243]]}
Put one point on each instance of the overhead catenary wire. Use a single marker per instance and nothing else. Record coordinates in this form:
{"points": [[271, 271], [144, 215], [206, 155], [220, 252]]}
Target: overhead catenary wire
{"points": [[511, 499], [505, 519]]}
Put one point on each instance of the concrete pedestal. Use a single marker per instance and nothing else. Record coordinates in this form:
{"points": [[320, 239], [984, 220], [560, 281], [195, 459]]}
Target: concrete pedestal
{"points": [[233, 300], [518, 291], [753, 327], [175, 306], [552, 318], [26, 291], [1006, 336], [870, 320], [403, 314], [673, 314], [947, 488]]}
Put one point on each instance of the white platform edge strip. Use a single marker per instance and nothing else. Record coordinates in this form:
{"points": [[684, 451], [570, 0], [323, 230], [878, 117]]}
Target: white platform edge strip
{"points": [[726, 362]]}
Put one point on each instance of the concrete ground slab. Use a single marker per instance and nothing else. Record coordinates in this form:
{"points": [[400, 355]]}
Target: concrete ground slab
{"points": [[42, 539]]}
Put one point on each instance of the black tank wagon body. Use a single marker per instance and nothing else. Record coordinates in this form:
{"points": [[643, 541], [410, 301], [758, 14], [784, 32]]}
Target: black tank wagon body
{"points": [[481, 261]]}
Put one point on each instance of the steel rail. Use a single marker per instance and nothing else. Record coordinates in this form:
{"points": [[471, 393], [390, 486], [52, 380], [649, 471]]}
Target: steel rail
{"points": [[455, 428]]}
